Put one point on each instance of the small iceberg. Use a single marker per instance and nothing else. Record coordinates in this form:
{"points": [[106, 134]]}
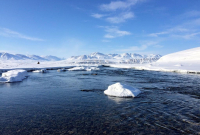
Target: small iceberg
{"points": [[121, 90], [83, 68], [13, 76], [41, 71]]}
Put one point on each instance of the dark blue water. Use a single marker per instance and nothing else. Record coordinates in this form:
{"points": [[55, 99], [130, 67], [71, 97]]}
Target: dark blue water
{"points": [[74, 103]]}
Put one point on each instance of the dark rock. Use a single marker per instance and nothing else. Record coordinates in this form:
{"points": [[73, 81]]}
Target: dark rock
{"points": [[88, 90]]}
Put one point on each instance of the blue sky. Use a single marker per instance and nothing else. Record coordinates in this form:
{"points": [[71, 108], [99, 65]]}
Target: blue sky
{"points": [[75, 27]]}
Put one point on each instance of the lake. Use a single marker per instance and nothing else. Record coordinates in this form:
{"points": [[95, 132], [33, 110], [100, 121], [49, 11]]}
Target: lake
{"points": [[73, 102]]}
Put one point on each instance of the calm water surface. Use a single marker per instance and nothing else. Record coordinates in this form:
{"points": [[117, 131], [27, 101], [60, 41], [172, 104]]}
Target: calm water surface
{"points": [[53, 103]]}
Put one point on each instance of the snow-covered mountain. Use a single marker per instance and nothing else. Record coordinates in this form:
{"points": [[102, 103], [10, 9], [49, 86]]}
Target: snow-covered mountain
{"points": [[52, 58], [35, 57], [119, 58], [9, 56], [124, 56]]}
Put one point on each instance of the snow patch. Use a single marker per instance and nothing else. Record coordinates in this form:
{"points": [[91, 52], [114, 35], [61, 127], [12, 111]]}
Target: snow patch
{"points": [[83, 68], [121, 90], [77, 69], [41, 71], [13, 76]]}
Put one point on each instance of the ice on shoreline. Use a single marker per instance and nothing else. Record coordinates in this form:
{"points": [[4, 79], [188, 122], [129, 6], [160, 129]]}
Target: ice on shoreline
{"points": [[121, 90], [41, 71], [83, 68], [13, 76], [77, 69]]}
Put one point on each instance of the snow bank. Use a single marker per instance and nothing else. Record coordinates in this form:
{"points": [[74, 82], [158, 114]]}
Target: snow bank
{"points": [[187, 61], [121, 90], [183, 60], [32, 64], [182, 56], [83, 68], [41, 71], [13, 76]]}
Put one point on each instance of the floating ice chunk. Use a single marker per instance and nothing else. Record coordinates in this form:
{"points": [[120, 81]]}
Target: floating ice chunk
{"points": [[121, 90], [92, 68], [41, 71], [88, 69], [77, 69], [13, 76], [61, 70]]}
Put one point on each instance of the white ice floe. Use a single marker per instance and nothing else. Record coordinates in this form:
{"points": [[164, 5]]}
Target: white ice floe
{"points": [[92, 68], [77, 69], [61, 70], [41, 71], [83, 68], [13, 76], [121, 90]]}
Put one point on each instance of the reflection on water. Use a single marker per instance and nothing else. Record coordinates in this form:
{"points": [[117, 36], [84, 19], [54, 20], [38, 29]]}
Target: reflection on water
{"points": [[53, 103], [119, 100]]}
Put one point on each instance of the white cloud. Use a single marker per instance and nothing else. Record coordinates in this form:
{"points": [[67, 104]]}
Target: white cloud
{"points": [[142, 47], [119, 12], [96, 15], [9, 33], [180, 32], [187, 36], [188, 29], [172, 30], [113, 32], [157, 34], [120, 18], [114, 5]]}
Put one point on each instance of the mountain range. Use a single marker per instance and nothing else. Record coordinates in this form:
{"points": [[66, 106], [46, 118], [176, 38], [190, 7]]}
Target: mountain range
{"points": [[9, 56], [131, 58], [124, 56]]}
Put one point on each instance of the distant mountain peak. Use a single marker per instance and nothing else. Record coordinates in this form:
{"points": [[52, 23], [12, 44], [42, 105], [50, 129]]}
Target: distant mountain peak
{"points": [[9, 56], [123, 56]]}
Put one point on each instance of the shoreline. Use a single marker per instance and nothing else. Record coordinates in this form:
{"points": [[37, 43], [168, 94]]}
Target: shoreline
{"points": [[49, 66], [157, 68]]}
